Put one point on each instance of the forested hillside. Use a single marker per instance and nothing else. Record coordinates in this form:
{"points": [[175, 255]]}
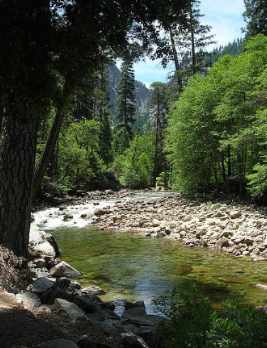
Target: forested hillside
{"points": [[114, 77], [216, 135]]}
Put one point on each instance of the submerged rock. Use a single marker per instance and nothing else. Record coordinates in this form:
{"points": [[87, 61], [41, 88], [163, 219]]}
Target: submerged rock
{"points": [[67, 217], [93, 290], [63, 269]]}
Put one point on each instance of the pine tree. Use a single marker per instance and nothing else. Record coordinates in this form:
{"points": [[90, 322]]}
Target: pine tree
{"points": [[200, 36], [256, 17], [184, 43], [159, 109], [126, 107]]}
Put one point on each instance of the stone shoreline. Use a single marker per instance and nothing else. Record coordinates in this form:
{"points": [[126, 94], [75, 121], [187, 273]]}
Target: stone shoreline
{"points": [[238, 229], [77, 317], [65, 315]]}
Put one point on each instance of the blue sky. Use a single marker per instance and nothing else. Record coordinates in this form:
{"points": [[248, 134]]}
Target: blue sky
{"points": [[225, 17]]}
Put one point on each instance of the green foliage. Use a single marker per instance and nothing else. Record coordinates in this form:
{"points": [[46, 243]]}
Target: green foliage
{"points": [[134, 167], [216, 129], [255, 16], [194, 323], [79, 160]]}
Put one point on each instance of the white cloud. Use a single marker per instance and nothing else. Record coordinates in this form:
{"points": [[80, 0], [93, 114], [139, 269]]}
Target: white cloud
{"points": [[225, 17]]}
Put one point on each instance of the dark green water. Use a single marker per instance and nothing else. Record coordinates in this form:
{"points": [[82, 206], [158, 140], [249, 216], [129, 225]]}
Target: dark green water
{"points": [[137, 268]]}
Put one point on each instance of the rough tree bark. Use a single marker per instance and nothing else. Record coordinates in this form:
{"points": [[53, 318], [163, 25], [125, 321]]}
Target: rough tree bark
{"points": [[17, 156], [24, 36]]}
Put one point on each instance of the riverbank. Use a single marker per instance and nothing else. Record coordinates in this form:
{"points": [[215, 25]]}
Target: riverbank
{"points": [[235, 228], [48, 308]]}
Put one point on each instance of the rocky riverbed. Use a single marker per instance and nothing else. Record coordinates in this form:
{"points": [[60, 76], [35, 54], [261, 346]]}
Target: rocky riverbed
{"points": [[234, 228], [238, 229]]}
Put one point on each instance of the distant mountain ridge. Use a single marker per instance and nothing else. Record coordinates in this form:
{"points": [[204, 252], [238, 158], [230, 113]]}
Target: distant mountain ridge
{"points": [[143, 94]]}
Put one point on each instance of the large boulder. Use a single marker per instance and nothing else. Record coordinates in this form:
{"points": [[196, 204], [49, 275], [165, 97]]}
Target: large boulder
{"points": [[71, 309], [63, 269], [59, 343], [43, 284], [28, 300], [42, 249], [7, 300], [88, 304]]}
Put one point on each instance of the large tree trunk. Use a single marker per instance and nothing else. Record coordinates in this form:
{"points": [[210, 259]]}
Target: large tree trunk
{"points": [[24, 34], [48, 152], [176, 62], [17, 157], [52, 138]]}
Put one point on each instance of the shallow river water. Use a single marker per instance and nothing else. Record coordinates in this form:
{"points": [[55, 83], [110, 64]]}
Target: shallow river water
{"points": [[136, 268]]}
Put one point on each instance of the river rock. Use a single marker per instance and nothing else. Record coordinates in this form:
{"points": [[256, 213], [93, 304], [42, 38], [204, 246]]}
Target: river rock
{"points": [[63, 269], [71, 309], [63, 283], [261, 286], [87, 342], [86, 303], [235, 214], [59, 343], [28, 300], [93, 290], [138, 304], [38, 263], [138, 316], [100, 212], [7, 300], [42, 249], [67, 217], [42, 285], [130, 340], [44, 309]]}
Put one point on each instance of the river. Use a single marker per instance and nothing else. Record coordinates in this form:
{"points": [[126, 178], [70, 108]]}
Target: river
{"points": [[132, 267]]}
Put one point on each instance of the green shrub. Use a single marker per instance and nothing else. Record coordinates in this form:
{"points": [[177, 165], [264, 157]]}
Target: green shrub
{"points": [[79, 162], [135, 166], [194, 323]]}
